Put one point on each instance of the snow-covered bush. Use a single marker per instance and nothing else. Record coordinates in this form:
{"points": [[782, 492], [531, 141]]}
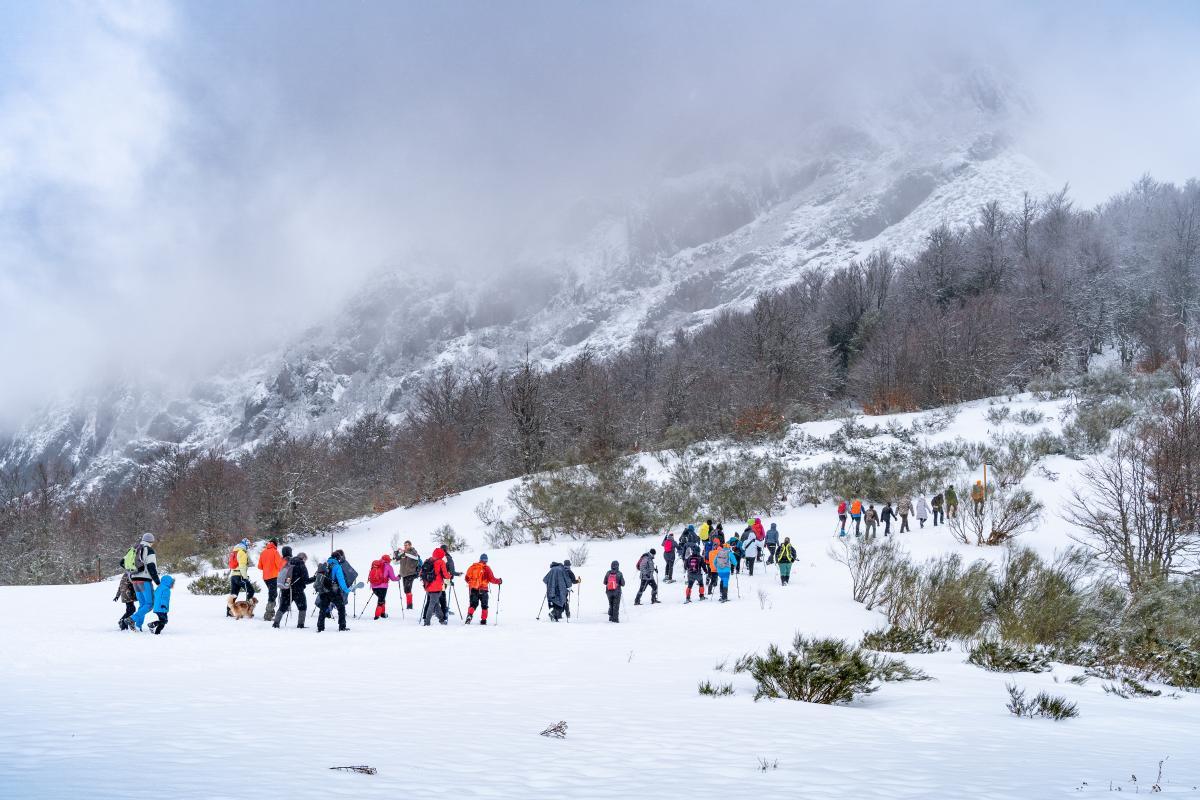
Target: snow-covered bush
{"points": [[1094, 422], [997, 656], [500, 531], [709, 689], [445, 538], [1008, 512], [215, 584], [1034, 602], [942, 596], [903, 640], [822, 671], [881, 472], [997, 414], [607, 500], [871, 565], [1043, 705]]}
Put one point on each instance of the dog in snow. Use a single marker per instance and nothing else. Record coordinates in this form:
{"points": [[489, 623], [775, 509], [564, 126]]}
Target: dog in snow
{"points": [[242, 608]]}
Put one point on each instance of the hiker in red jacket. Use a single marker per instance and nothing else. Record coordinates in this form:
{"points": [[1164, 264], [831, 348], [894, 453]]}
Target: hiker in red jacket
{"points": [[479, 579], [379, 577], [433, 577]]}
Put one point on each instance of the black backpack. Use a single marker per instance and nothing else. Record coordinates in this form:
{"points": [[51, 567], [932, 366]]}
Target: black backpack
{"points": [[322, 584], [428, 572]]}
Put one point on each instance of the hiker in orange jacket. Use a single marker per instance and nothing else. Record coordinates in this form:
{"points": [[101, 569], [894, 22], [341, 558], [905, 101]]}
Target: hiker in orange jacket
{"points": [[270, 562], [479, 579], [856, 511]]}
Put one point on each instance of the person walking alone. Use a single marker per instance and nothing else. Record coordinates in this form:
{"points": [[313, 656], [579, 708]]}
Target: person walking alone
{"points": [[904, 509], [787, 557], [669, 547], [614, 581]]}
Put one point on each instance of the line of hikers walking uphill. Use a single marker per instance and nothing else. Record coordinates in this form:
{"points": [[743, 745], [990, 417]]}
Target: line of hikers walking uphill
{"points": [[943, 505], [710, 559]]}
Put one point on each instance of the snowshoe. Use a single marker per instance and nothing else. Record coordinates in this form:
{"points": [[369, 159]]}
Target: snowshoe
{"points": [[467, 621], [483, 622]]}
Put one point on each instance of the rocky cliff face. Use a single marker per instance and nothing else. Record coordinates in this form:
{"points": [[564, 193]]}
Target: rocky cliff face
{"points": [[692, 246]]}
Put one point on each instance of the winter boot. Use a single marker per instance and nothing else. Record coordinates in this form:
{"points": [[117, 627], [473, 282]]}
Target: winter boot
{"points": [[467, 621], [654, 600], [269, 614], [229, 613], [483, 621]]}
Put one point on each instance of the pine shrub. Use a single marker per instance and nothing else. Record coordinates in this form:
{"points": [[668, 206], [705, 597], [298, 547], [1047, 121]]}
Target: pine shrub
{"points": [[1043, 705], [710, 689], [214, 584], [997, 656], [824, 671], [903, 640]]}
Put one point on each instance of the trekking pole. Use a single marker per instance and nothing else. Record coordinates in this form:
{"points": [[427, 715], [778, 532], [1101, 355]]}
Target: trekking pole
{"points": [[543, 605], [496, 619], [454, 591], [737, 585], [367, 605]]}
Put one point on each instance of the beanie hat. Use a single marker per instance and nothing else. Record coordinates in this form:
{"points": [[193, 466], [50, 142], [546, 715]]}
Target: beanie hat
{"points": [[483, 558], [567, 563], [286, 552], [244, 542], [147, 537], [653, 552], [387, 558]]}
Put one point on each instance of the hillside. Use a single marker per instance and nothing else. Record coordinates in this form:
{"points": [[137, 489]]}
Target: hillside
{"points": [[691, 246], [458, 709]]}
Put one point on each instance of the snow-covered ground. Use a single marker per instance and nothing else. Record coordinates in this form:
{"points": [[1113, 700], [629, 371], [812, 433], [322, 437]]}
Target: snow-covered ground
{"points": [[218, 708]]}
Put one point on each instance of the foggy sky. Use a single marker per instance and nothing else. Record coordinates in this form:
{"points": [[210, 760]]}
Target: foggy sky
{"points": [[181, 182]]}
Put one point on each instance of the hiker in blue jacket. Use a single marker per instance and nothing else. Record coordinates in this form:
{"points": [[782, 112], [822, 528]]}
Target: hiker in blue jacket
{"points": [[723, 560], [162, 603], [336, 597], [772, 543]]}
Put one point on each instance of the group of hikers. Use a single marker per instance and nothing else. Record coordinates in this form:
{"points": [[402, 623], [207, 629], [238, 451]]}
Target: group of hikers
{"points": [[944, 506], [709, 558]]}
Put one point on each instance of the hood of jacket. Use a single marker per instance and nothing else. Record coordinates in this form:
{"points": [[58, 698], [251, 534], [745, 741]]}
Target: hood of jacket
{"points": [[615, 565], [168, 581], [439, 554]]}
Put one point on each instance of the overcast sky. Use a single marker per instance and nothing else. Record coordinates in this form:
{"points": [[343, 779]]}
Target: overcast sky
{"points": [[178, 182]]}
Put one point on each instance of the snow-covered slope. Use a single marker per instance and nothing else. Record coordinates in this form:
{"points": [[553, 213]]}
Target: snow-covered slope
{"points": [[218, 708], [690, 247]]}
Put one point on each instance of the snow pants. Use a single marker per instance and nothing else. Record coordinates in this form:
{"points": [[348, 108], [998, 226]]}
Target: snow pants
{"points": [[785, 572], [771, 548], [903, 523], [857, 523], [324, 602], [694, 578], [937, 517], [435, 605], [479, 597], [239, 584], [614, 604], [145, 597], [286, 598], [669, 569], [380, 601], [653, 584]]}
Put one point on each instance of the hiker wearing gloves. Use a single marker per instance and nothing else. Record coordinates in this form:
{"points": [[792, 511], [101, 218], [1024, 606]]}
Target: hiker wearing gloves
{"points": [[614, 581], [646, 569], [479, 580]]}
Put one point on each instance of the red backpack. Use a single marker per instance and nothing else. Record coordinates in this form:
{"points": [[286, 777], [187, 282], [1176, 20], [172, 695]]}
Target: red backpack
{"points": [[376, 575], [613, 582], [233, 561]]}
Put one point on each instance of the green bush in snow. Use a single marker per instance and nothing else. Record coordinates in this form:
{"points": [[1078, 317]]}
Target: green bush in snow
{"points": [[214, 584], [998, 656], [822, 671], [903, 640]]}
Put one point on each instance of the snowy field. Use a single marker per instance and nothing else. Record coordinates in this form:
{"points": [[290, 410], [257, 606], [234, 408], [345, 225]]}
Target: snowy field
{"points": [[217, 708]]}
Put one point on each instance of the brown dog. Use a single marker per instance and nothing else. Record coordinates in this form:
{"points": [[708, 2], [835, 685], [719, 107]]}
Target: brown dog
{"points": [[242, 608]]}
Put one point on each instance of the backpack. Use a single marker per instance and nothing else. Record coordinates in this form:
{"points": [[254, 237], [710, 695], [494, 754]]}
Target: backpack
{"points": [[349, 573], [321, 583], [284, 579], [376, 574], [721, 560], [428, 573], [613, 582], [132, 562], [233, 559], [668, 545], [693, 564]]}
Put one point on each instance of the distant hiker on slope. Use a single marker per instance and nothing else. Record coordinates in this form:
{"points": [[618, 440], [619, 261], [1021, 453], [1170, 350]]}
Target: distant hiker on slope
{"points": [[904, 508], [760, 533], [749, 553], [408, 566], [145, 578], [270, 562], [872, 520], [951, 503], [558, 587], [787, 556], [332, 593], [434, 577], [239, 573], [693, 565], [614, 581], [688, 539], [721, 562], [886, 516], [668, 546], [291, 588], [772, 542], [978, 495], [126, 595], [938, 514], [479, 580], [645, 567], [378, 578], [842, 508], [922, 510], [162, 603], [856, 509]]}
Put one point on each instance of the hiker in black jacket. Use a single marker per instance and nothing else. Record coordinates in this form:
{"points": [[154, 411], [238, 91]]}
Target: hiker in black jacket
{"points": [[886, 516], [613, 582], [291, 589]]}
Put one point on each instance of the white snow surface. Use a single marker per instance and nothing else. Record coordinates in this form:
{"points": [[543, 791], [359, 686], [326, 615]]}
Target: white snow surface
{"points": [[216, 708]]}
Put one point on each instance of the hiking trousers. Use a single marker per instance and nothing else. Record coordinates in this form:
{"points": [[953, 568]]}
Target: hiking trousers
{"points": [[614, 604]]}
